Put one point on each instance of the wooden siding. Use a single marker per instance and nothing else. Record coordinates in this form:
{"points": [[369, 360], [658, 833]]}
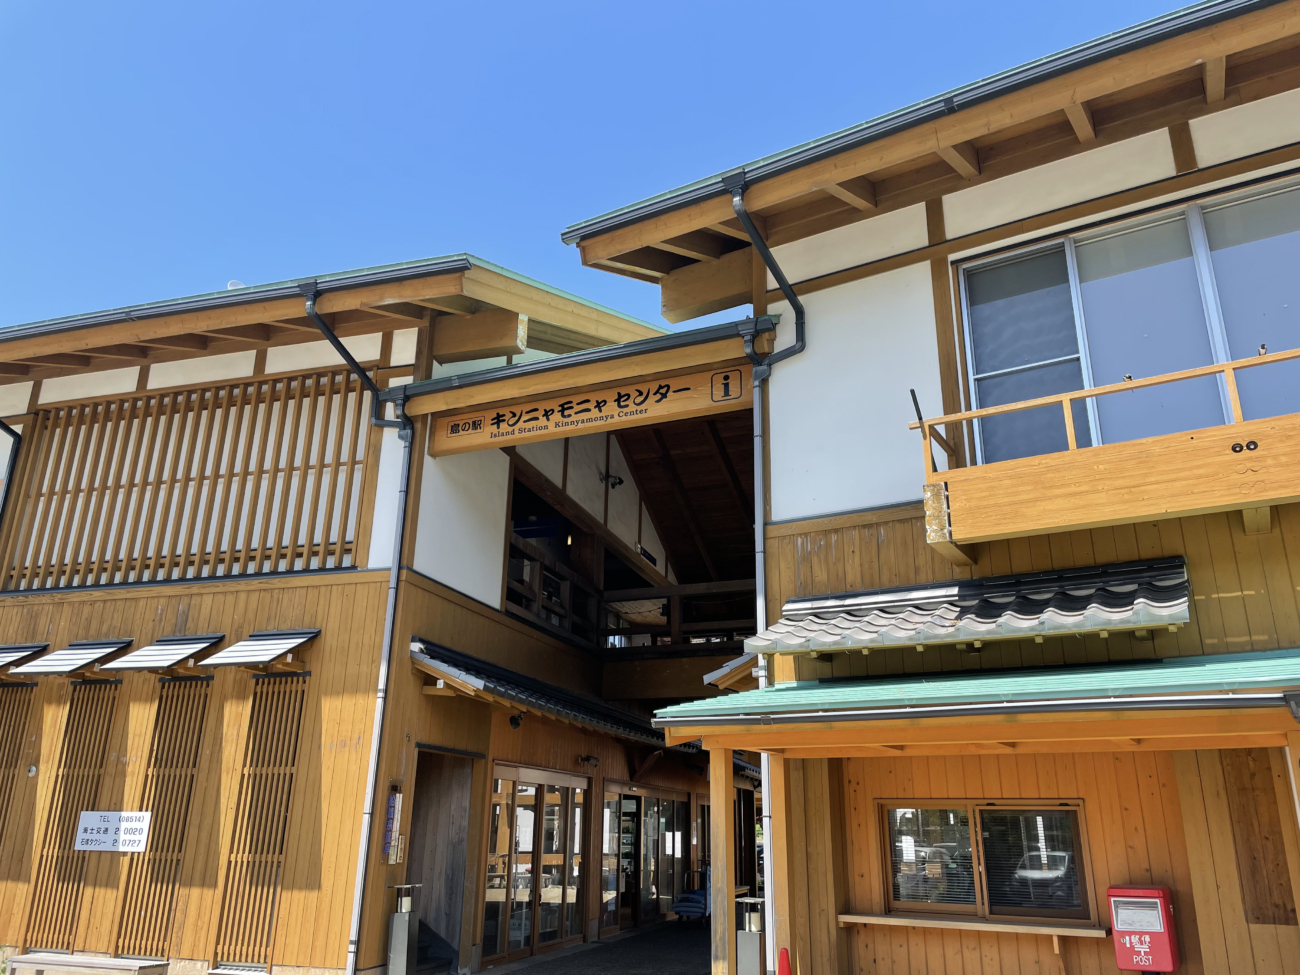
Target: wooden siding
{"points": [[312, 909], [1244, 587], [262, 475]]}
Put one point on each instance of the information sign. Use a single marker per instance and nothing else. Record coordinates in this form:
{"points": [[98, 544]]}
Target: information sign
{"points": [[113, 832]]}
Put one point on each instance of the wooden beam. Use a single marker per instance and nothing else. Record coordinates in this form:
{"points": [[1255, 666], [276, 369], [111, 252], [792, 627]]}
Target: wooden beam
{"points": [[259, 332], [687, 589], [688, 512], [1214, 72], [408, 310], [963, 158], [1080, 117], [1180, 141], [729, 471], [120, 351], [858, 192], [698, 244], [449, 305], [14, 369], [483, 336], [731, 228], [61, 359], [708, 286], [193, 343], [648, 260]]}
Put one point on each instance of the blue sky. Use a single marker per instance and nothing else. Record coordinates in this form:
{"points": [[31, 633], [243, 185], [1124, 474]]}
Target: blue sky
{"points": [[150, 150]]}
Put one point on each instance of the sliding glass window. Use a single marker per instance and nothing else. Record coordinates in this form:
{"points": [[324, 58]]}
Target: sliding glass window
{"points": [[1193, 286]]}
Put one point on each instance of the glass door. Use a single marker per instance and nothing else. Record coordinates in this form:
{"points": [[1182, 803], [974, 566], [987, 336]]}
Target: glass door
{"points": [[609, 862], [521, 876], [629, 848], [500, 816]]}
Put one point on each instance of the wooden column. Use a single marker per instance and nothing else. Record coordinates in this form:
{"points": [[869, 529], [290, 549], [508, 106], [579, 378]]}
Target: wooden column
{"points": [[471, 910], [722, 820], [778, 850]]}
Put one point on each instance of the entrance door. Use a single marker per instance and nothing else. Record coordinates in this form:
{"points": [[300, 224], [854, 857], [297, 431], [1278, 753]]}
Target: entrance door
{"points": [[629, 872], [532, 899]]}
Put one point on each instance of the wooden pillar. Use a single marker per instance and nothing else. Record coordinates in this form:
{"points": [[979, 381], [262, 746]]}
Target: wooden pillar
{"points": [[722, 820], [471, 911], [778, 850]]}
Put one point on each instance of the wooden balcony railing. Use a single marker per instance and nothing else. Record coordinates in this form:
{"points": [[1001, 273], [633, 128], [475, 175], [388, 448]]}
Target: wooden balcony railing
{"points": [[930, 435], [551, 595], [1247, 465], [260, 475]]}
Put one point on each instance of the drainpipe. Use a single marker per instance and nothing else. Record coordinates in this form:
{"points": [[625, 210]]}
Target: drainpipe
{"points": [[735, 184], [405, 433]]}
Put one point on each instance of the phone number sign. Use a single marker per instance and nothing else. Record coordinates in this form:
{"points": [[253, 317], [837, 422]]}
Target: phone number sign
{"points": [[610, 408], [113, 832]]}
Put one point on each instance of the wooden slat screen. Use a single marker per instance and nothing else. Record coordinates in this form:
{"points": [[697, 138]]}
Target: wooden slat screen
{"points": [[253, 869], [56, 891], [15, 706], [261, 475], [153, 875]]}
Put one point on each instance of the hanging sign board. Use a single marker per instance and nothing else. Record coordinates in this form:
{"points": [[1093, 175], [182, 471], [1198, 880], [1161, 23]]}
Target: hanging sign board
{"points": [[610, 408], [113, 832]]}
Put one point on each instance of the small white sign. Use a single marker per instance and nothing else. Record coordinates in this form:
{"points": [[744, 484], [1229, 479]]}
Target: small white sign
{"points": [[113, 832], [1137, 914]]}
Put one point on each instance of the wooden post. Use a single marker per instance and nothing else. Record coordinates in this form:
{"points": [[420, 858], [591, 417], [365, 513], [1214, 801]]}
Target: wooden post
{"points": [[778, 850], [722, 850]]}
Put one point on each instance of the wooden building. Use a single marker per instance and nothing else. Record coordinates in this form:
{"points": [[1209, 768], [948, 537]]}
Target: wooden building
{"points": [[1032, 543], [210, 588]]}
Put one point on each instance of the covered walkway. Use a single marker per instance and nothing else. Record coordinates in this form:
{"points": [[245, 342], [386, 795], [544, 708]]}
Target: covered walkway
{"points": [[671, 948]]}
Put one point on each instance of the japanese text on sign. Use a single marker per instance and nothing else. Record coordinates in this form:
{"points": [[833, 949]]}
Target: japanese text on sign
{"points": [[113, 832], [648, 401]]}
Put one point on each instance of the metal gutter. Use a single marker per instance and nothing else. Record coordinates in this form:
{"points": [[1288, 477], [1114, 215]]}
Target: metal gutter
{"points": [[967, 96], [606, 353], [343, 281], [1190, 702]]}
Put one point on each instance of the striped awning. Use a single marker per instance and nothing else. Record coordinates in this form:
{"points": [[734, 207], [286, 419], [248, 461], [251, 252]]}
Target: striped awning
{"points": [[165, 652], [16, 652], [1127, 596], [260, 648], [73, 657]]}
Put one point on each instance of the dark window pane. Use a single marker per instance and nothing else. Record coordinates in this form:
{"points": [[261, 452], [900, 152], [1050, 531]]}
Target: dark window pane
{"points": [[1031, 860], [1030, 432], [930, 856], [1142, 305], [1021, 313], [1255, 248]]}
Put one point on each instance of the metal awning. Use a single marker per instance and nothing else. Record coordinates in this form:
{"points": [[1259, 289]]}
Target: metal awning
{"points": [[73, 657], [15, 652], [165, 652], [499, 685], [1096, 599], [1267, 678], [260, 648]]}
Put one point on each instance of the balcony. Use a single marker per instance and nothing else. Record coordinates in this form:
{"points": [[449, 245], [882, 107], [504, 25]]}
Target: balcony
{"points": [[1245, 465]]}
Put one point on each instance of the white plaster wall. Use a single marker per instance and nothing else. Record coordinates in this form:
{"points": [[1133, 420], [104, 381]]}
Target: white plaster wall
{"points": [[624, 500], [547, 456], [839, 410], [385, 519], [460, 538], [586, 464], [212, 368], [14, 398], [403, 351], [1247, 129], [90, 384], [858, 243], [321, 355], [1099, 172]]}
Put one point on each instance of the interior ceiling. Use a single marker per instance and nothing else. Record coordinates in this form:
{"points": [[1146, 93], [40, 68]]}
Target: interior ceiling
{"points": [[697, 481]]}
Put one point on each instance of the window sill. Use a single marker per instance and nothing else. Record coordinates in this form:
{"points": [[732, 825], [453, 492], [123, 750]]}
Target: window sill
{"points": [[977, 924]]}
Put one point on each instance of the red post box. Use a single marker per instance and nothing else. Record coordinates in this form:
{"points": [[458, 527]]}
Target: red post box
{"points": [[1142, 927]]}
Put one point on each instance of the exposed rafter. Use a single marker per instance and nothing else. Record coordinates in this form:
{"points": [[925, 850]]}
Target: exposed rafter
{"points": [[1080, 117], [858, 192], [963, 157]]}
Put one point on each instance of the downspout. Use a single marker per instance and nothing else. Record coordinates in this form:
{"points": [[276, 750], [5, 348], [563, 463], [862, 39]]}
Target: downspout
{"points": [[405, 433], [735, 184]]}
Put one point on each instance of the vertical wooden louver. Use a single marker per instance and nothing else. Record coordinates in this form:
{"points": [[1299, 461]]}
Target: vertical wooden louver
{"points": [[263, 475], [153, 875], [15, 706], [253, 868], [56, 892]]}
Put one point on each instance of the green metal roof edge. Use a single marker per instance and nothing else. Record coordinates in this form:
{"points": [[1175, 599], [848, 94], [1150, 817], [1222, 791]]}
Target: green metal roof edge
{"points": [[1171, 24], [334, 281], [1168, 675]]}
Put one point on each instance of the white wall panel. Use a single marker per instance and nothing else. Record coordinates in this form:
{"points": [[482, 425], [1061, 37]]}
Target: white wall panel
{"points": [[624, 500], [1247, 129], [192, 372], [858, 243], [316, 355], [385, 518], [839, 410], [89, 385], [547, 456], [586, 465], [14, 398], [403, 352], [460, 539], [1098, 172]]}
